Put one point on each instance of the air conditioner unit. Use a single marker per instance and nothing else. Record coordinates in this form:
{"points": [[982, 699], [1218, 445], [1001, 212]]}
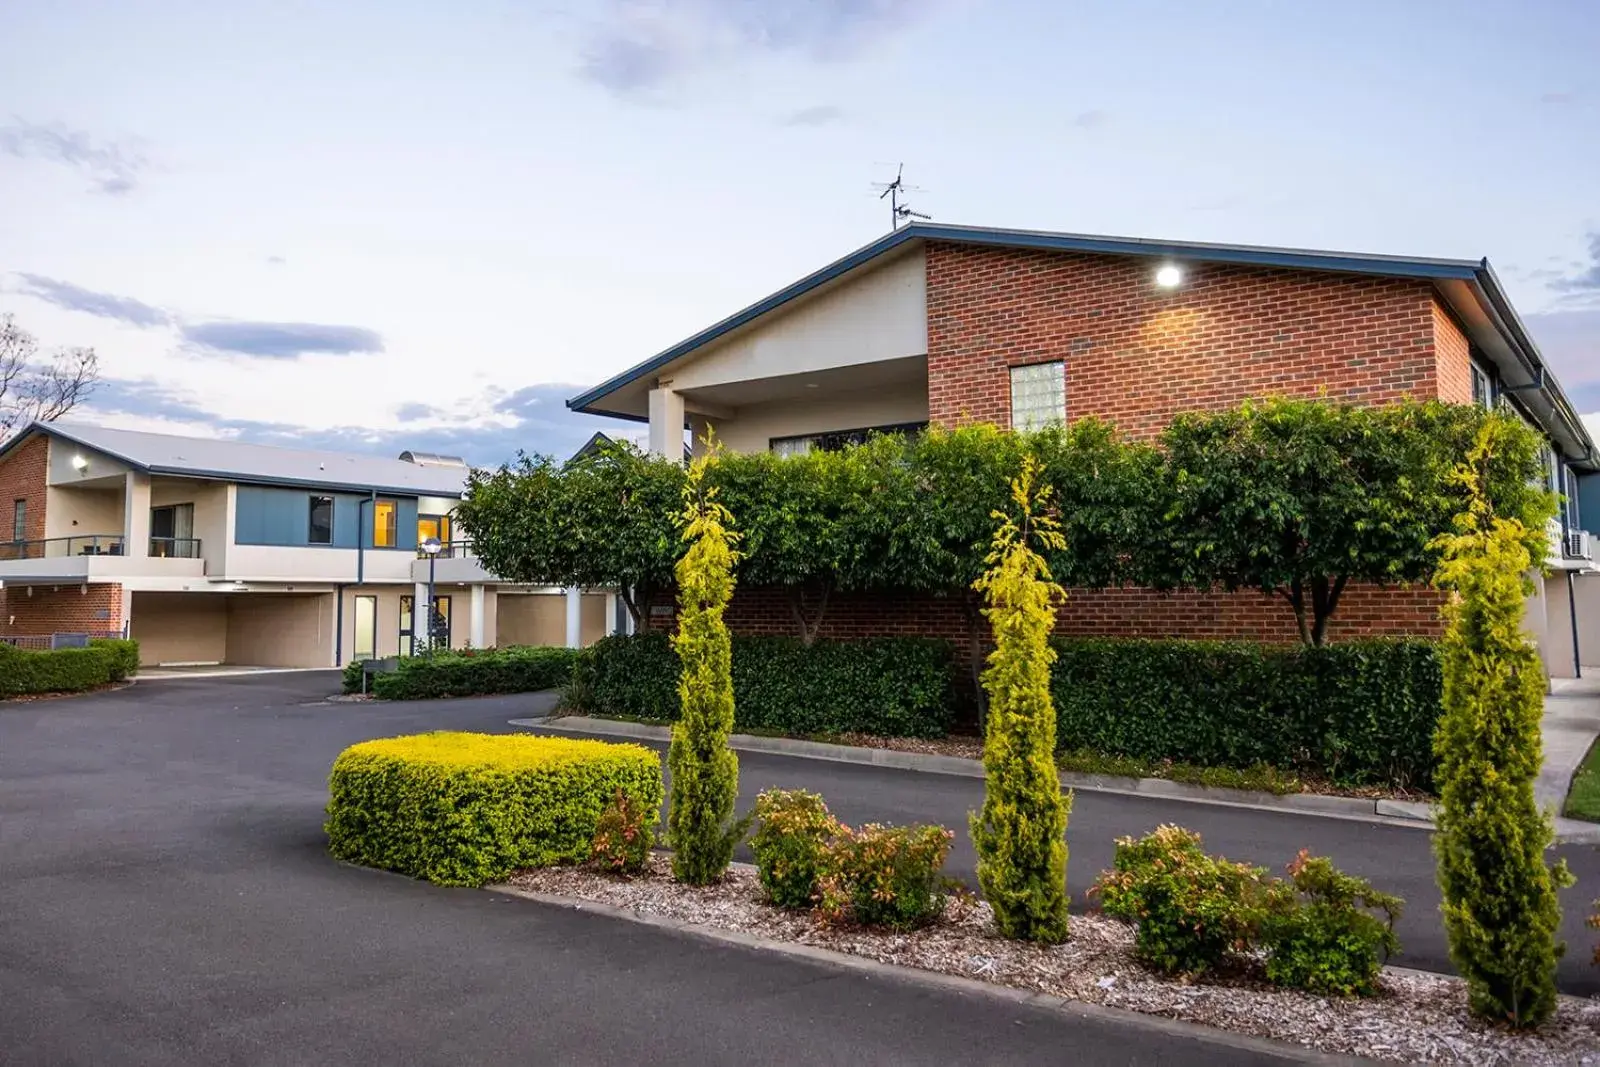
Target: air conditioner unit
{"points": [[1579, 545]]}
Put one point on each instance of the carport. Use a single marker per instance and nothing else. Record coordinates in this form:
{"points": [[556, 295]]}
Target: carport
{"points": [[236, 629]]}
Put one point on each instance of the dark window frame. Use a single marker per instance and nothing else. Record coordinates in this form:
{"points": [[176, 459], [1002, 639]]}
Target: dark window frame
{"points": [[19, 519], [837, 440], [311, 519], [393, 526]]}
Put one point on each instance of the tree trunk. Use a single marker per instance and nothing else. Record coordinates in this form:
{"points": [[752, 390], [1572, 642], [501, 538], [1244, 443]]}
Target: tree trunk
{"points": [[1296, 596], [636, 600], [1324, 601], [808, 626]]}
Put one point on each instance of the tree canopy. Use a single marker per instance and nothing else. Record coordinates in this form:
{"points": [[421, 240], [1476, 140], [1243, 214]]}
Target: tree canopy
{"points": [[1296, 498]]}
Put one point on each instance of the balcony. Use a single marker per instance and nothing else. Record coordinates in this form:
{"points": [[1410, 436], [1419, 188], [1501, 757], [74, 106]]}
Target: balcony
{"points": [[105, 555], [453, 563]]}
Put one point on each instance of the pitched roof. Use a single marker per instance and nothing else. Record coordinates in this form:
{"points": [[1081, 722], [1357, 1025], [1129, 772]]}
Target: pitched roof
{"points": [[197, 457], [1469, 287]]}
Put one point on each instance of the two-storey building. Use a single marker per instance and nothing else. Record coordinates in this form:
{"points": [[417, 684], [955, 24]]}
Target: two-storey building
{"points": [[217, 551], [942, 324]]}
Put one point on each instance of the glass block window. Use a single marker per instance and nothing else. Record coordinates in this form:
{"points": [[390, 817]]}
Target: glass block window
{"points": [[1038, 395]]}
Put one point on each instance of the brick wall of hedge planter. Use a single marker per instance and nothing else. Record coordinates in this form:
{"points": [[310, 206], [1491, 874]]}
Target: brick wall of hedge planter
{"points": [[24, 672], [1358, 712], [898, 687]]}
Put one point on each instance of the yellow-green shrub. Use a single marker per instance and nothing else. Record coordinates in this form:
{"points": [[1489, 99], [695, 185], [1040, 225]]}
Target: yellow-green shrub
{"points": [[1020, 833], [466, 809]]}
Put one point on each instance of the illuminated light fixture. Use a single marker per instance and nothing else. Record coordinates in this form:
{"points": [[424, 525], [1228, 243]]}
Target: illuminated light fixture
{"points": [[79, 463], [1169, 277]]}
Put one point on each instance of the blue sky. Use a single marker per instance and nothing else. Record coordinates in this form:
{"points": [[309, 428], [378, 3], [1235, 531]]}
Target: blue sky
{"points": [[388, 225]]}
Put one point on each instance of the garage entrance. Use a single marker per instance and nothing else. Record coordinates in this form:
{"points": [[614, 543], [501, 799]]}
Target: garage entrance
{"points": [[236, 629]]}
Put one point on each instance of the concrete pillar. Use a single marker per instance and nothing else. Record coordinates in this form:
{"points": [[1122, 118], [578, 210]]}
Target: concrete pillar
{"points": [[699, 427], [574, 617], [666, 423], [421, 614], [135, 514], [613, 620], [125, 608], [475, 631]]}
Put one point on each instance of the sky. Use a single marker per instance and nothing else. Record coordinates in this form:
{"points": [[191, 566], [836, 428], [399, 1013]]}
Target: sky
{"points": [[378, 226]]}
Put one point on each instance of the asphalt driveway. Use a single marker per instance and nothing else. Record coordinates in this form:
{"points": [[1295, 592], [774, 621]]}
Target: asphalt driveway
{"points": [[165, 897]]}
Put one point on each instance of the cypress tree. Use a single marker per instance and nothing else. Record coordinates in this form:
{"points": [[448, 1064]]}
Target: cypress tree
{"points": [[1500, 910], [1020, 835], [705, 771]]}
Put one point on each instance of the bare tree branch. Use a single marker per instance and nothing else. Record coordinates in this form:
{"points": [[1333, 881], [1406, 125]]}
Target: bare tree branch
{"points": [[40, 388]]}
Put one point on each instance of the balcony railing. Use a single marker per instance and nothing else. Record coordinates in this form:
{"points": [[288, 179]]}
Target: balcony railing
{"points": [[175, 547], [58, 547], [97, 545], [461, 548]]}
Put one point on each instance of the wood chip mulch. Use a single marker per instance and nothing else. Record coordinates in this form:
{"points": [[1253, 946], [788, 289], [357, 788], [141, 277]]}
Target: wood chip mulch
{"points": [[1418, 1018]]}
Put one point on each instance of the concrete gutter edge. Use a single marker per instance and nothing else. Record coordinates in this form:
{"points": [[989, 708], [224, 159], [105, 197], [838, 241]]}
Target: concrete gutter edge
{"points": [[1404, 813], [1198, 1032]]}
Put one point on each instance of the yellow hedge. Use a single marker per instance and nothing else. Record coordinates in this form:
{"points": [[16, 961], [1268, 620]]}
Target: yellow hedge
{"points": [[467, 809]]}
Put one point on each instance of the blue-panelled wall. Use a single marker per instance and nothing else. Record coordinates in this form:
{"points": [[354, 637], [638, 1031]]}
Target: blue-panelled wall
{"points": [[267, 516]]}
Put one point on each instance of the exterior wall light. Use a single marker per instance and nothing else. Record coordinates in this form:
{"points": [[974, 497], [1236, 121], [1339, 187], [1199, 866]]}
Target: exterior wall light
{"points": [[1169, 277], [79, 463]]}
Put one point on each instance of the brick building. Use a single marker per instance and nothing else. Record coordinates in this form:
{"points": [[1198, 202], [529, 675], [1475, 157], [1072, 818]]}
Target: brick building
{"points": [[943, 324]]}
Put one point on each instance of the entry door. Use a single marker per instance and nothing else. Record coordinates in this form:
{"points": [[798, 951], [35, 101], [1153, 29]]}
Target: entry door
{"points": [[441, 622], [366, 636], [407, 633]]}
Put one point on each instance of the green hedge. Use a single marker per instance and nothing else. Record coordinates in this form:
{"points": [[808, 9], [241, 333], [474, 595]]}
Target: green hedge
{"points": [[124, 652], [893, 686], [468, 809], [470, 672], [1358, 712], [66, 670]]}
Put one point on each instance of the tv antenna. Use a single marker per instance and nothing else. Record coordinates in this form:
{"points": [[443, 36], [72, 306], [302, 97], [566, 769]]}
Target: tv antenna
{"points": [[895, 191]]}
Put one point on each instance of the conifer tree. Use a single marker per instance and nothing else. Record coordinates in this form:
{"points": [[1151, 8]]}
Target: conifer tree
{"points": [[1020, 835]]}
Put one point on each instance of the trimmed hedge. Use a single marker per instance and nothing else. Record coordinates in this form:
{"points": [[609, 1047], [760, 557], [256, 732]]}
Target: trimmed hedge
{"points": [[24, 672], [125, 653], [892, 686], [468, 809], [470, 672], [1358, 712]]}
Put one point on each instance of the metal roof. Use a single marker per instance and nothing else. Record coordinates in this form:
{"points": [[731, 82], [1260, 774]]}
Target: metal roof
{"points": [[237, 461], [1456, 280]]}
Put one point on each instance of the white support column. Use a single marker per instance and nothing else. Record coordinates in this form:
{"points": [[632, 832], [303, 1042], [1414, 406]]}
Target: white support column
{"points": [[421, 615], [666, 423], [613, 605], [574, 617], [476, 628], [135, 515]]}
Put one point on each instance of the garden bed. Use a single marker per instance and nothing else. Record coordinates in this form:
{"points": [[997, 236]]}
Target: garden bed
{"points": [[1418, 1018]]}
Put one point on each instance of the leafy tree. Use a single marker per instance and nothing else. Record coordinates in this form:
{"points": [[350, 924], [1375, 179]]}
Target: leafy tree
{"points": [[1108, 489], [1500, 908], [1302, 497], [705, 771], [1020, 834], [602, 519]]}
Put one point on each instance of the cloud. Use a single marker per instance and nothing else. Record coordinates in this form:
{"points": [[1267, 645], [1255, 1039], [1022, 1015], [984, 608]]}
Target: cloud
{"points": [[281, 340], [639, 45], [1090, 120], [111, 168], [533, 419], [1556, 98], [1570, 343], [817, 115], [1583, 285], [276, 261], [415, 412], [105, 305]]}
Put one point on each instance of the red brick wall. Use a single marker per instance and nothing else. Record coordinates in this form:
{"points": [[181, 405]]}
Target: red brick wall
{"points": [[1137, 354], [1454, 356], [61, 609], [22, 477], [1363, 611]]}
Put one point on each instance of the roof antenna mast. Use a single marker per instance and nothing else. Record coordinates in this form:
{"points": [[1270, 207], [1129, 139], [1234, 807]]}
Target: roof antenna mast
{"points": [[895, 191]]}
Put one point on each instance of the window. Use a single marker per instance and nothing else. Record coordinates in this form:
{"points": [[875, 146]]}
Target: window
{"points": [[1482, 388], [441, 622], [172, 532], [19, 520], [407, 637], [837, 440], [320, 530], [385, 514], [433, 526], [1038, 395], [366, 642]]}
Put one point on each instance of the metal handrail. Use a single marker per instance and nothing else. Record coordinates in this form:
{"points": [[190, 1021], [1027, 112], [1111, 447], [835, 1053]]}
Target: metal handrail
{"points": [[175, 547], [97, 545], [459, 548]]}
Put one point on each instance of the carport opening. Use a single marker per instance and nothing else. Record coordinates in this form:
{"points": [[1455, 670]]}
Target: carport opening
{"points": [[233, 629]]}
